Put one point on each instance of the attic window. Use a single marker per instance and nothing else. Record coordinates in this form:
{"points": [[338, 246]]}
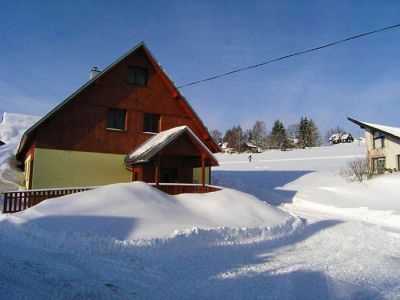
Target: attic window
{"points": [[137, 76], [150, 123], [116, 119]]}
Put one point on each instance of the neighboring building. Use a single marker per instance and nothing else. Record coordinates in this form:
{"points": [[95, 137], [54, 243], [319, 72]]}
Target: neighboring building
{"points": [[85, 139], [1, 143], [252, 147], [383, 145], [335, 138], [225, 148], [342, 137], [346, 138]]}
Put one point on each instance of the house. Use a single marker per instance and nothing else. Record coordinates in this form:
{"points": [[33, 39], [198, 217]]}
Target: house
{"points": [[341, 137], [1, 143], [346, 138], [335, 138], [128, 108], [383, 146], [251, 147], [225, 148]]}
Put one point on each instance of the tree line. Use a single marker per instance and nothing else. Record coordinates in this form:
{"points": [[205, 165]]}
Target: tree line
{"points": [[303, 134]]}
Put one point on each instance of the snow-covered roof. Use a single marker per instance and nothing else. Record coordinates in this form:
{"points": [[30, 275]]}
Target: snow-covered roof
{"points": [[152, 146], [335, 137], [345, 136], [251, 145], [395, 131]]}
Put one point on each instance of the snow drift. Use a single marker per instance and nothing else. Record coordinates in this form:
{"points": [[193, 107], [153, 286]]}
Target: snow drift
{"points": [[138, 211]]}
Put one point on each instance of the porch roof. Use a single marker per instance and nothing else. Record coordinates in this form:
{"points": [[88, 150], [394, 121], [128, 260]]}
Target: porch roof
{"points": [[145, 152]]}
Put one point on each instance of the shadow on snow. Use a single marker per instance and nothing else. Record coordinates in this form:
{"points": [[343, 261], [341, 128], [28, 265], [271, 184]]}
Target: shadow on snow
{"points": [[262, 184]]}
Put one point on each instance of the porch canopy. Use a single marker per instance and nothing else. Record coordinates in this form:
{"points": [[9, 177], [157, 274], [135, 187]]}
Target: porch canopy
{"points": [[171, 157]]}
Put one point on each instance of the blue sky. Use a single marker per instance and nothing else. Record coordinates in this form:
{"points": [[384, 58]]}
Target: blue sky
{"points": [[48, 48]]}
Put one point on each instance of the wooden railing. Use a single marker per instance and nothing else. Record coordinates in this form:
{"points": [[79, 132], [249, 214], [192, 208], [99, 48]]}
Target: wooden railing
{"points": [[20, 200], [176, 188]]}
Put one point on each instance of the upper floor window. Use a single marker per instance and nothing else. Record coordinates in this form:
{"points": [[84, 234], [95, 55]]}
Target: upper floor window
{"points": [[116, 119], [151, 122], [379, 140], [137, 76]]}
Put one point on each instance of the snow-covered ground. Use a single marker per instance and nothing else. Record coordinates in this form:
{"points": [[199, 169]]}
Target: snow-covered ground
{"points": [[131, 241], [12, 127]]}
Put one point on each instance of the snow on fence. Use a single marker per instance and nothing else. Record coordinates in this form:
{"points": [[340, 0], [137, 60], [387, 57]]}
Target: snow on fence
{"points": [[16, 201]]}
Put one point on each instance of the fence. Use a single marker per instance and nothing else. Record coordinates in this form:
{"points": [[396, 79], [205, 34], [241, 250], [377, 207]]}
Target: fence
{"points": [[20, 200]]}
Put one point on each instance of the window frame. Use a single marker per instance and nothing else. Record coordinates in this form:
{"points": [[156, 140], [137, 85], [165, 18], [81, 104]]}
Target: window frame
{"points": [[150, 130], [137, 70], [375, 164], [115, 110], [380, 137]]}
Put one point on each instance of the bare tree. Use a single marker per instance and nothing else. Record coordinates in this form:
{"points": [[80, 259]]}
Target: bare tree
{"points": [[357, 170], [217, 135]]}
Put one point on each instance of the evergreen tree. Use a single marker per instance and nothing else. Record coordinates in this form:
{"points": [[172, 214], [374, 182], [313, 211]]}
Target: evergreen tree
{"points": [[278, 137], [308, 133]]}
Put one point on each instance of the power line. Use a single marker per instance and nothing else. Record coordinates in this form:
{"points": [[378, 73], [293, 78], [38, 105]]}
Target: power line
{"points": [[291, 55]]}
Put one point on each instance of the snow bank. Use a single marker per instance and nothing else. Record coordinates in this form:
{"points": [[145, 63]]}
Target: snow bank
{"points": [[138, 211], [12, 128], [375, 201]]}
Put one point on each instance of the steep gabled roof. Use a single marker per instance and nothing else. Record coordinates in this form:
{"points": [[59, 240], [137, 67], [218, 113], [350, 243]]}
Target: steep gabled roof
{"points": [[145, 152], [176, 94], [393, 131]]}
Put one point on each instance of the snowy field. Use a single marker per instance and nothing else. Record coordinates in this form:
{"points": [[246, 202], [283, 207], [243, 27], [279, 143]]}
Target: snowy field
{"points": [[313, 235]]}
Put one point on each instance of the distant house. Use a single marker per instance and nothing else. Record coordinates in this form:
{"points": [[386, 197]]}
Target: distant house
{"points": [[335, 138], [383, 145], [346, 138], [251, 147], [93, 136], [341, 137], [1, 143], [225, 148]]}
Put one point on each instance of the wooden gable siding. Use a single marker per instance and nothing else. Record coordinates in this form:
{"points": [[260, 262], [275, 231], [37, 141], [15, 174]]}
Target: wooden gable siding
{"points": [[81, 124]]}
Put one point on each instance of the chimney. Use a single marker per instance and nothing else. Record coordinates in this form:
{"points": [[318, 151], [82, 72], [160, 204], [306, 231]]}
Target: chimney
{"points": [[94, 72]]}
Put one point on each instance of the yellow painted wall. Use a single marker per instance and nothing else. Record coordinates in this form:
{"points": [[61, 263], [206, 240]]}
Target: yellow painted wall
{"points": [[197, 175], [60, 168]]}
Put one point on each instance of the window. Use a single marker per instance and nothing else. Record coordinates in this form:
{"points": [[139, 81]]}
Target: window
{"points": [[116, 119], [379, 140], [379, 165], [150, 122], [137, 76]]}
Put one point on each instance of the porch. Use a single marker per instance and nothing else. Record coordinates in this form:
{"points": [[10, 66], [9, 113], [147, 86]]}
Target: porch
{"points": [[15, 201]]}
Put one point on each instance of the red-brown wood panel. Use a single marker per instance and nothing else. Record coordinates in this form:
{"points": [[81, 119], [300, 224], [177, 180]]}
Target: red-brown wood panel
{"points": [[81, 124]]}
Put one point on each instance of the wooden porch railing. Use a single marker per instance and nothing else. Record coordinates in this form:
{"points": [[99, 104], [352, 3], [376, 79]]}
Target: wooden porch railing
{"points": [[16, 201], [176, 189]]}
